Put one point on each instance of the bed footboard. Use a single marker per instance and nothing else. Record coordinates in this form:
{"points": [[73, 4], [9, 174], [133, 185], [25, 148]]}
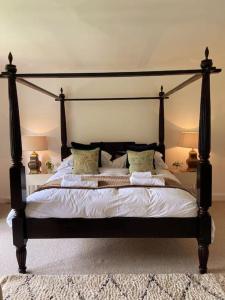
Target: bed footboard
{"points": [[117, 227]]}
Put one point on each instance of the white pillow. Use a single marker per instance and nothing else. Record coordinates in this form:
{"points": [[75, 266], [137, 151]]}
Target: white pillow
{"points": [[68, 162], [105, 158], [119, 162], [114, 171], [159, 163]]}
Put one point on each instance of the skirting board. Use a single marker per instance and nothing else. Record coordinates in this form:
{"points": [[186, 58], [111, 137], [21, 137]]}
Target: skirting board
{"points": [[4, 200], [215, 196], [218, 197]]}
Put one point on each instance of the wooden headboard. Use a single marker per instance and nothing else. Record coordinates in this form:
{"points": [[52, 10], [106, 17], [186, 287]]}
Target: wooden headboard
{"points": [[114, 148]]}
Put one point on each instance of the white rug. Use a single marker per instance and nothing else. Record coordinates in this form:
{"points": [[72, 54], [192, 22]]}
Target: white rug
{"points": [[117, 286]]}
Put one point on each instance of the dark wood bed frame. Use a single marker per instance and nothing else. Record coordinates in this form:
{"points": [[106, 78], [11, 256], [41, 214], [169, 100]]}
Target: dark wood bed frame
{"points": [[33, 228]]}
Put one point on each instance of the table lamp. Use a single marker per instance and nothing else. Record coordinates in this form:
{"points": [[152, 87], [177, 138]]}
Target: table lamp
{"points": [[190, 140], [34, 143]]}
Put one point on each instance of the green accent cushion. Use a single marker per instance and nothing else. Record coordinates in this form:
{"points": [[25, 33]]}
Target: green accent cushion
{"points": [[141, 161], [85, 161]]}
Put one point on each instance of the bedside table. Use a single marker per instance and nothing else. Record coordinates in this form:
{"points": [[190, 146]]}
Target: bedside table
{"points": [[187, 179], [33, 181]]}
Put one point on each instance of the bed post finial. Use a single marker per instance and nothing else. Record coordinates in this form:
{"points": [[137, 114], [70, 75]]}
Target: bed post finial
{"points": [[161, 122], [10, 68], [61, 95], [206, 53], [204, 170], [206, 63], [10, 58], [64, 149]]}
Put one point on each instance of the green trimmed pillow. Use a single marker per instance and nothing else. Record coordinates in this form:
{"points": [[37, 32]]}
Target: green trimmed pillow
{"points": [[141, 161], [85, 161]]}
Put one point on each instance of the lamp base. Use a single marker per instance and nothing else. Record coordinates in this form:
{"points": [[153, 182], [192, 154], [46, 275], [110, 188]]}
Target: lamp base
{"points": [[34, 164], [192, 161]]}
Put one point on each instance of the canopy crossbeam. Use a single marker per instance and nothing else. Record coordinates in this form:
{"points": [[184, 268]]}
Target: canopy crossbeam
{"points": [[197, 74], [112, 74]]}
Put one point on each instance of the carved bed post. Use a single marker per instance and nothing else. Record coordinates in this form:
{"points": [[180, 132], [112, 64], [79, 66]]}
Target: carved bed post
{"points": [[64, 149], [17, 170], [204, 171], [161, 122]]}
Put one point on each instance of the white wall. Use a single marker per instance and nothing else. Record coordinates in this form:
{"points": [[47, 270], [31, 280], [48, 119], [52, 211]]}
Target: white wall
{"points": [[108, 35]]}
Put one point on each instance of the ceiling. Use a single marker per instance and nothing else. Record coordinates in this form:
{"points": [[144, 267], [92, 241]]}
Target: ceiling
{"points": [[112, 35]]}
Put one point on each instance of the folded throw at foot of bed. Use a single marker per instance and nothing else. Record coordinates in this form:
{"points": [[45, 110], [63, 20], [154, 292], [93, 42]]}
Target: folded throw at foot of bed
{"points": [[141, 174], [74, 180], [151, 180]]}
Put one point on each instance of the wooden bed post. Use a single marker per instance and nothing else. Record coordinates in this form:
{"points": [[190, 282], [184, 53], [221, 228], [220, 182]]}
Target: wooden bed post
{"points": [[17, 170], [161, 122], [64, 149], [204, 171]]}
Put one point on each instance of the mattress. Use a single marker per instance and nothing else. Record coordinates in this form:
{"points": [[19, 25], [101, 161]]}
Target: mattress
{"points": [[106, 203]]}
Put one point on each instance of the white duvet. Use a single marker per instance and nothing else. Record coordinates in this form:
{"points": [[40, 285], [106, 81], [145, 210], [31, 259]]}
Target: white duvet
{"points": [[105, 203]]}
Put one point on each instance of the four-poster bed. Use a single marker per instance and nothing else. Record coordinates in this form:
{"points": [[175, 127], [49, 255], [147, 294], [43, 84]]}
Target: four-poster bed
{"points": [[25, 228]]}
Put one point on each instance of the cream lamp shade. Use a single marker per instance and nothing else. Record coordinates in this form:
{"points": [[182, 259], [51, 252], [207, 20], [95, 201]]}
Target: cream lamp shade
{"points": [[34, 143], [189, 140]]}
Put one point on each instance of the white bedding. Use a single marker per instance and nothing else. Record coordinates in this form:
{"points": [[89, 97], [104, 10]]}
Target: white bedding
{"points": [[111, 202]]}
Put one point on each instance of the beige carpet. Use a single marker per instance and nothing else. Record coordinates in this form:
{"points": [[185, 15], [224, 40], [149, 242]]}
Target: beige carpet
{"points": [[100, 256], [117, 286]]}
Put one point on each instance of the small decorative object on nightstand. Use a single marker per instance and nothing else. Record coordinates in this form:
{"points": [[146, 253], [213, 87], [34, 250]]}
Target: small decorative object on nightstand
{"points": [[190, 140], [33, 181], [177, 165], [50, 166], [34, 143]]}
